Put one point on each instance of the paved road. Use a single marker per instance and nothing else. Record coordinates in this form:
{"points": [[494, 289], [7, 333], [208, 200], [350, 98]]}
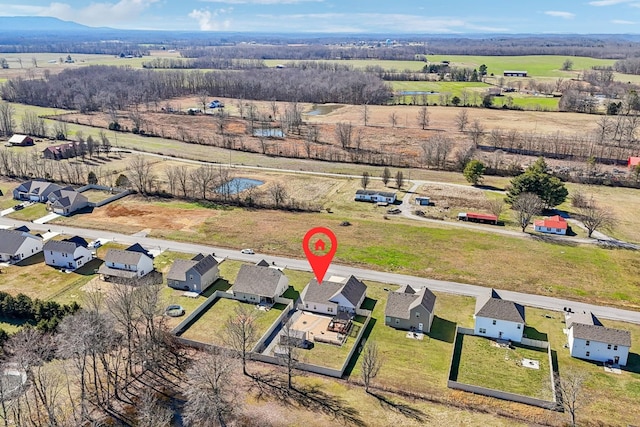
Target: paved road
{"points": [[336, 269]]}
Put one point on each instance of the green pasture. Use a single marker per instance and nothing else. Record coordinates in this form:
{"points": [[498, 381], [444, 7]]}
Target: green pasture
{"points": [[361, 64]]}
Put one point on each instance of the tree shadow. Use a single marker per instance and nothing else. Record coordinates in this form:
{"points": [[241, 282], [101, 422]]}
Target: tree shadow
{"points": [[532, 333], [489, 187], [553, 240], [32, 260], [368, 304], [442, 329], [89, 269], [404, 409], [269, 386], [633, 363], [291, 293]]}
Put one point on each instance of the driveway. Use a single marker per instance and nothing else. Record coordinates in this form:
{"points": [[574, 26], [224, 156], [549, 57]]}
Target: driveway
{"points": [[46, 218]]}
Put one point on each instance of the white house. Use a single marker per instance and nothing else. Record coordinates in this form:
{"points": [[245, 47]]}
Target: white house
{"points": [[498, 318], [131, 263], [16, 245], [589, 339], [334, 295], [259, 283], [69, 253], [375, 196], [553, 225]]}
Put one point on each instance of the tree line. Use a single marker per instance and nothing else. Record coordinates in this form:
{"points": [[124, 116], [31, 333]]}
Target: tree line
{"points": [[45, 315], [96, 88]]}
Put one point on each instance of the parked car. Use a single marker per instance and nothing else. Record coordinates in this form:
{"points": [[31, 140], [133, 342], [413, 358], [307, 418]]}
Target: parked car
{"points": [[18, 207], [248, 251], [216, 104], [95, 244]]}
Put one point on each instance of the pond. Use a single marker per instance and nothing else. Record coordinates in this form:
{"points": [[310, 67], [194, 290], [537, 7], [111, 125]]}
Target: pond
{"points": [[238, 185], [269, 133], [417, 92], [319, 110]]}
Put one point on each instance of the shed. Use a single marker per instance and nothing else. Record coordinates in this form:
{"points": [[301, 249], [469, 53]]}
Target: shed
{"points": [[478, 217], [423, 201], [21, 140], [515, 73], [633, 162]]}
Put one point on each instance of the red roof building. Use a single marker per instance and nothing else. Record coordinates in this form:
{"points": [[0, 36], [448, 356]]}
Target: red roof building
{"points": [[633, 162], [478, 217], [554, 225]]}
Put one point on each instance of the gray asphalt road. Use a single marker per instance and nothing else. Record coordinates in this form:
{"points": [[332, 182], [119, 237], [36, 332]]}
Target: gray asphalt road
{"points": [[340, 270]]}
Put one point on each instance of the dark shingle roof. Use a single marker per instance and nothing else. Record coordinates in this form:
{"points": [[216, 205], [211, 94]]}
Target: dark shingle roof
{"points": [[263, 263], [11, 240], [61, 246], [602, 334], [137, 247], [202, 264], [401, 302], [499, 309], [257, 280], [37, 187], [123, 257], [108, 271], [352, 290], [78, 240], [65, 197]]}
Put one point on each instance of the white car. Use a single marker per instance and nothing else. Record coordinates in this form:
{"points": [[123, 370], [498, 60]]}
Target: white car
{"points": [[96, 244], [247, 251]]}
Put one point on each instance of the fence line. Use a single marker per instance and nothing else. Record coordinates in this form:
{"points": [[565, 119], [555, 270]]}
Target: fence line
{"points": [[535, 343], [276, 324]]}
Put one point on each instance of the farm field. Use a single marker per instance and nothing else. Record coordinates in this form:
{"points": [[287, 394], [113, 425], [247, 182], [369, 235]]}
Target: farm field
{"points": [[485, 364]]}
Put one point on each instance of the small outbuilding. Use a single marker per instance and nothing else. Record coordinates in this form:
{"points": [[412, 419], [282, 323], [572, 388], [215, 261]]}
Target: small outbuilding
{"points": [[423, 201], [553, 225], [632, 162], [375, 196], [515, 73], [20, 140]]}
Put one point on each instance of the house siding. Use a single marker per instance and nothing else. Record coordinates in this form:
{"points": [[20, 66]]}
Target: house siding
{"points": [[80, 257], [321, 308], [29, 247], [414, 321], [550, 230], [598, 351], [509, 330], [144, 266]]}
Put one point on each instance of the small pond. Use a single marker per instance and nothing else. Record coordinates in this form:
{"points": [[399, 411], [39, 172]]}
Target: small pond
{"points": [[269, 133], [417, 92], [319, 110], [238, 185]]}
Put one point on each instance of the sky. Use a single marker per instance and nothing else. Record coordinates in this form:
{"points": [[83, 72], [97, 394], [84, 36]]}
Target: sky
{"points": [[345, 16]]}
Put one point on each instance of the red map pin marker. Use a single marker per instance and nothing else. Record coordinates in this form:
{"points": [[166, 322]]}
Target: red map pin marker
{"points": [[320, 245]]}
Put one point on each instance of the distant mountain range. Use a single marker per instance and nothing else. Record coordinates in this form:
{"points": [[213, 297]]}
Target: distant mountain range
{"points": [[39, 24]]}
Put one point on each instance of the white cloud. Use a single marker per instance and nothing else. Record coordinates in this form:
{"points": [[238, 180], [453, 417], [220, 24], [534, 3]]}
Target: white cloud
{"points": [[95, 14], [208, 21], [608, 2], [560, 14], [622, 22]]}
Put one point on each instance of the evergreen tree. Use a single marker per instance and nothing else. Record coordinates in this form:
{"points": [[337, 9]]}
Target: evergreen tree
{"points": [[536, 180]]}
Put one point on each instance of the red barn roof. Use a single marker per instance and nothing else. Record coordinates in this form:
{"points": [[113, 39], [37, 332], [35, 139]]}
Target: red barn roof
{"points": [[633, 161], [555, 221], [486, 217]]}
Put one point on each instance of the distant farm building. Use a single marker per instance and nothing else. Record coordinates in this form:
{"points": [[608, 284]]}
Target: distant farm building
{"points": [[62, 151], [512, 73], [478, 217], [375, 196], [21, 140], [632, 162], [553, 225]]}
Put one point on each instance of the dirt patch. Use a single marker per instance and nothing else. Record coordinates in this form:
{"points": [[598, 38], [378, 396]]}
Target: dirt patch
{"points": [[450, 197]]}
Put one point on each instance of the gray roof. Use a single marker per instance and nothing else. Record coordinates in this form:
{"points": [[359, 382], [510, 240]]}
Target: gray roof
{"points": [[586, 318], [66, 197], [352, 290], [262, 263], [257, 280], [602, 334], [62, 246], [401, 302], [37, 187], [499, 309], [11, 240], [202, 264], [373, 192], [119, 256]]}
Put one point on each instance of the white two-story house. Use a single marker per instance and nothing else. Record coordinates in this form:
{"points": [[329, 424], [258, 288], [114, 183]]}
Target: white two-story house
{"points": [[589, 339], [69, 253], [132, 263], [16, 245], [498, 318]]}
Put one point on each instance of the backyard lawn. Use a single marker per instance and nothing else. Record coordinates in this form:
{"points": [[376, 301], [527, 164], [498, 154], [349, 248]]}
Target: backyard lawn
{"points": [[209, 326], [485, 364], [332, 356]]}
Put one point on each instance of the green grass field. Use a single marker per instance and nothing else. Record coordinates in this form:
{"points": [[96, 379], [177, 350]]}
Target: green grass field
{"points": [[486, 365], [329, 355], [35, 211]]}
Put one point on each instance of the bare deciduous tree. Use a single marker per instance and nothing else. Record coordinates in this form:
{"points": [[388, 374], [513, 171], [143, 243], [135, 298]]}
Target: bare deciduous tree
{"points": [[370, 363], [393, 119], [365, 114], [278, 194], [476, 132], [495, 206], [526, 206], [287, 350], [365, 179], [570, 387], [152, 411], [240, 332], [344, 134], [386, 176], [399, 180], [211, 392], [423, 117], [462, 119], [6, 119], [141, 176], [595, 217]]}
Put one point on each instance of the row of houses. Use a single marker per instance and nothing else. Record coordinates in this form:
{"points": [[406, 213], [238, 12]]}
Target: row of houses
{"points": [[63, 200]]}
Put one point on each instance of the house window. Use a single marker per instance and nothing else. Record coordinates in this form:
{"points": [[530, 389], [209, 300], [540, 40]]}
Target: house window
{"points": [[306, 306], [519, 326], [608, 346], [330, 310], [397, 321], [417, 314], [615, 347], [588, 342], [482, 330], [587, 354], [494, 322]]}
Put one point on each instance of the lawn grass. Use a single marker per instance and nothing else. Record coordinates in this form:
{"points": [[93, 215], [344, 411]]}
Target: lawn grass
{"points": [[608, 396], [96, 195], [35, 211], [485, 365], [34, 278], [333, 356], [209, 327]]}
